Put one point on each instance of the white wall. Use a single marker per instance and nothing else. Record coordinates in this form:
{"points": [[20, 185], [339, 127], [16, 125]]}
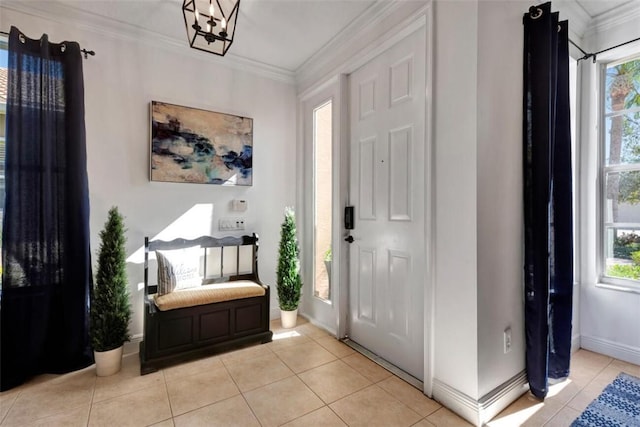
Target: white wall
{"points": [[476, 133], [120, 81], [455, 344], [499, 184]]}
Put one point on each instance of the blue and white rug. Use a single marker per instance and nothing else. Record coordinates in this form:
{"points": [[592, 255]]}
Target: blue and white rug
{"points": [[617, 406]]}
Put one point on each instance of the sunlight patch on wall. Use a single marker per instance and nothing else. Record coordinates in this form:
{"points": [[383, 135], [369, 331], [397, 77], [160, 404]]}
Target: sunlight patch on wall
{"points": [[197, 221]]}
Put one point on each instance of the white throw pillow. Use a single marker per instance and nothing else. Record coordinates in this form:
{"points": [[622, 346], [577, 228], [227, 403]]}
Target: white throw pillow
{"points": [[178, 269]]}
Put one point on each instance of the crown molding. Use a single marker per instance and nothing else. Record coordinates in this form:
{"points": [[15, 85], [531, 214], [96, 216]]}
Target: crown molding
{"points": [[371, 25], [63, 14], [579, 19], [369, 18], [628, 12]]}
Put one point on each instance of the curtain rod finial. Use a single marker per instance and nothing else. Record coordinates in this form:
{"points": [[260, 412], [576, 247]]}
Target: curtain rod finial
{"points": [[87, 53]]}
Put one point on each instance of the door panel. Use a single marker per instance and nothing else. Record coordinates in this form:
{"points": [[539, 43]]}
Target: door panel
{"points": [[399, 296], [400, 174], [367, 185], [387, 258], [366, 285]]}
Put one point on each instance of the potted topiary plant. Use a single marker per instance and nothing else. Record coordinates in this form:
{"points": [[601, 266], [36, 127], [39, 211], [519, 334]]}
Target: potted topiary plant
{"points": [[110, 306], [288, 282]]}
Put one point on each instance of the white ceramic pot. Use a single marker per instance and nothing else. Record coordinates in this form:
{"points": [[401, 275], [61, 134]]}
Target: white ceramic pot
{"points": [[288, 318], [108, 362]]}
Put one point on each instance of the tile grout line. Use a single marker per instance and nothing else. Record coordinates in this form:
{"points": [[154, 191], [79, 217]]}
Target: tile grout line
{"points": [[11, 406], [337, 415], [241, 392], [250, 408], [566, 404], [93, 394], [166, 389], [297, 374]]}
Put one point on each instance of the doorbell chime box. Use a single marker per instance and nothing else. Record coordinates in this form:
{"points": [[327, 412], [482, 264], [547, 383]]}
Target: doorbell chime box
{"points": [[239, 205]]}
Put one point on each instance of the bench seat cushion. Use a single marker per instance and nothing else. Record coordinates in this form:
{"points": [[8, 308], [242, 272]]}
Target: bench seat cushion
{"points": [[207, 294]]}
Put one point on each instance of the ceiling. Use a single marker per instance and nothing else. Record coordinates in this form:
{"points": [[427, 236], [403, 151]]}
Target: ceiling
{"points": [[596, 8], [279, 33], [282, 34]]}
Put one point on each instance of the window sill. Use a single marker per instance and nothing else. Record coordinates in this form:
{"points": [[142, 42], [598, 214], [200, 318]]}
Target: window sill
{"points": [[621, 288]]}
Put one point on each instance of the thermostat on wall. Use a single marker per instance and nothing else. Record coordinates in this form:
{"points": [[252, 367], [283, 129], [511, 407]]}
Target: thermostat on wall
{"points": [[239, 205]]}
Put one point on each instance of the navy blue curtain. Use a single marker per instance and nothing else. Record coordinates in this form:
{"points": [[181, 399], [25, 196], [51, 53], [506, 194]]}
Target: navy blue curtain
{"points": [[548, 275], [46, 277]]}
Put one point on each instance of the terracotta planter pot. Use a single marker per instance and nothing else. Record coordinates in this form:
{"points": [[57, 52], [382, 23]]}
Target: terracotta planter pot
{"points": [[108, 362], [288, 318]]}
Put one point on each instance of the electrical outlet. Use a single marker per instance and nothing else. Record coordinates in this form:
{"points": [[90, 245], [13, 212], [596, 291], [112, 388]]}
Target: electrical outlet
{"points": [[231, 224], [507, 340]]}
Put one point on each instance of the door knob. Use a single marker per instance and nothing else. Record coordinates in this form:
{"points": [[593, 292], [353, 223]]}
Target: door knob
{"points": [[349, 239]]}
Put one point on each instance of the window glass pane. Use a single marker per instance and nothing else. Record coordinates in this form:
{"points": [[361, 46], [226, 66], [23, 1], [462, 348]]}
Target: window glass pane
{"points": [[622, 253], [322, 142], [622, 201], [622, 139], [622, 86]]}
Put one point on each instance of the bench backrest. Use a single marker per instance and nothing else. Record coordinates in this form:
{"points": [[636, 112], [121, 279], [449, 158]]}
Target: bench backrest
{"points": [[231, 246]]}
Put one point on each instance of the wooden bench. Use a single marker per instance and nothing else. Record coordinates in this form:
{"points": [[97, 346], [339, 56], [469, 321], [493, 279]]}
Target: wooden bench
{"points": [[207, 319]]}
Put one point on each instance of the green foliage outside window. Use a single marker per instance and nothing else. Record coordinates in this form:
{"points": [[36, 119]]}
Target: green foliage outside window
{"points": [[625, 244]]}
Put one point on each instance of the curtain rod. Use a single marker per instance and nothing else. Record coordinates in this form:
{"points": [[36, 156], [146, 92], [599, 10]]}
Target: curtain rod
{"points": [[85, 51], [594, 55]]}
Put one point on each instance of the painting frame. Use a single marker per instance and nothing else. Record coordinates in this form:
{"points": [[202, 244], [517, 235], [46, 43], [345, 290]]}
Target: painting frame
{"points": [[198, 146]]}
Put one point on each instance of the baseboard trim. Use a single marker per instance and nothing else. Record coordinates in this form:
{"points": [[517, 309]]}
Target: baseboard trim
{"points": [[478, 412], [492, 403], [133, 346], [623, 352], [575, 343]]}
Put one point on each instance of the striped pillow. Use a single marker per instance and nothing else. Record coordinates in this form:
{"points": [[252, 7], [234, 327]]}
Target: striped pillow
{"points": [[178, 269]]}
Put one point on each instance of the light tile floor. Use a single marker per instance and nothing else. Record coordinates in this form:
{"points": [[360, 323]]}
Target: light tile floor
{"points": [[590, 374], [303, 378]]}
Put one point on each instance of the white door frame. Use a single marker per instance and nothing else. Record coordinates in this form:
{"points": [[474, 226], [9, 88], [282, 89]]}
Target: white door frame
{"points": [[423, 17]]}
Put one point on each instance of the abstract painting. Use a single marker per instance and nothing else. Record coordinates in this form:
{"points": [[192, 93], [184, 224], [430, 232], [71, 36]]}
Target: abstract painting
{"points": [[200, 146]]}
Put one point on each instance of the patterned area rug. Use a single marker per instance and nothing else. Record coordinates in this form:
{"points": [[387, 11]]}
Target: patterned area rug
{"points": [[618, 405]]}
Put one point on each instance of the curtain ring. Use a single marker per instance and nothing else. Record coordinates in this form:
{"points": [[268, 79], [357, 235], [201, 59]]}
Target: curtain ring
{"points": [[559, 29], [63, 46], [21, 38], [535, 12]]}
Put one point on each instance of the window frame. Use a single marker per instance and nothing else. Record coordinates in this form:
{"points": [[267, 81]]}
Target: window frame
{"points": [[619, 283], [4, 45], [314, 195]]}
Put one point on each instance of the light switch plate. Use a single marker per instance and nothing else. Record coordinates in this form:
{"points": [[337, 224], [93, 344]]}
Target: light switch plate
{"points": [[231, 224]]}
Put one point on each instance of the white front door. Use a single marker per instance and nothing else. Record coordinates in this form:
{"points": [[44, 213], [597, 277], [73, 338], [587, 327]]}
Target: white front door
{"points": [[387, 98]]}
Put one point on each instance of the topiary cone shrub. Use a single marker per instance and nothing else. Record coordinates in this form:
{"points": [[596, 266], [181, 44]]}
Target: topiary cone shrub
{"points": [[110, 306], [288, 281]]}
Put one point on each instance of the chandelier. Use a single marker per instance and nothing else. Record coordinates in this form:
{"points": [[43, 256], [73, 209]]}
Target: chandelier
{"points": [[210, 24]]}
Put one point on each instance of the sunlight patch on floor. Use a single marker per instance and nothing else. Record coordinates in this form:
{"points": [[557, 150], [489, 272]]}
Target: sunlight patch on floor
{"points": [[284, 335], [529, 407], [517, 418], [555, 389]]}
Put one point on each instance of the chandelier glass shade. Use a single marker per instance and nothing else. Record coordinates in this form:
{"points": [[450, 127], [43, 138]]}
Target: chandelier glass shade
{"points": [[210, 24]]}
